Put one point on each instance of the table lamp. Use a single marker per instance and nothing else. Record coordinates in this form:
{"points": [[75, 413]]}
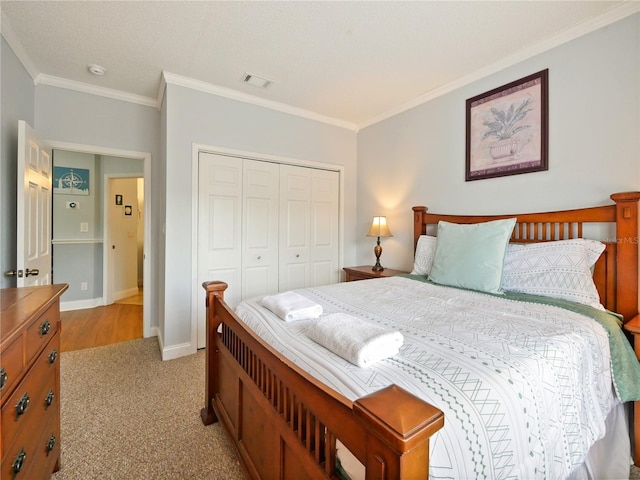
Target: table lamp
{"points": [[378, 229]]}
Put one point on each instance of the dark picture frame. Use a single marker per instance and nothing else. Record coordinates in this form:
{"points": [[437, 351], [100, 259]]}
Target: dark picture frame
{"points": [[128, 210], [508, 129], [118, 199]]}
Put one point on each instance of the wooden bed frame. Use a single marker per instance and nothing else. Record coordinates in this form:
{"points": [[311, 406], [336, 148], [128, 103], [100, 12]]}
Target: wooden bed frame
{"points": [[284, 423]]}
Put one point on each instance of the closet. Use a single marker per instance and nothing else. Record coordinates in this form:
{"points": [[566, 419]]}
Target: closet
{"points": [[265, 227]]}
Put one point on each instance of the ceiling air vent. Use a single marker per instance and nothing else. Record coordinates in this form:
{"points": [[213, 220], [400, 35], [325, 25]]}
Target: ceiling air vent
{"points": [[256, 81]]}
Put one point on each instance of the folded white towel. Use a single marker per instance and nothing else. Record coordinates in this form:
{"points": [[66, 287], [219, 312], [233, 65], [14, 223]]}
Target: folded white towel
{"points": [[291, 306], [360, 342]]}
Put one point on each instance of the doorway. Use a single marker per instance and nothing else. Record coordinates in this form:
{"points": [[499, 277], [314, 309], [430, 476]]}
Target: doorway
{"points": [[123, 238], [87, 234]]}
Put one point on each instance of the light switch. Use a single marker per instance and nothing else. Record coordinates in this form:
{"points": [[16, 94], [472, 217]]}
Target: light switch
{"points": [[84, 227]]}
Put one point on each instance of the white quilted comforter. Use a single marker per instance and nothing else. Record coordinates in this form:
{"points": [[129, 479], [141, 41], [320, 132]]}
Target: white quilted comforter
{"points": [[525, 388]]}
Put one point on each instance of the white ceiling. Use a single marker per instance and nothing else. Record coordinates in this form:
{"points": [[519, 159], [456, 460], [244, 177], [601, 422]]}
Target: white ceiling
{"points": [[348, 63]]}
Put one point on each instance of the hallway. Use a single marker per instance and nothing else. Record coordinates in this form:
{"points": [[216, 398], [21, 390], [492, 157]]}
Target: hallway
{"points": [[94, 327]]}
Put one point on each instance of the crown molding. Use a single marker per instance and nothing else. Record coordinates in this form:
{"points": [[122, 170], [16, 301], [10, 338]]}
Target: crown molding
{"points": [[95, 90], [12, 39], [174, 79], [612, 16]]}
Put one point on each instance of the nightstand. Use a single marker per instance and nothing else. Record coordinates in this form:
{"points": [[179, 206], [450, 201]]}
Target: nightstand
{"points": [[364, 272]]}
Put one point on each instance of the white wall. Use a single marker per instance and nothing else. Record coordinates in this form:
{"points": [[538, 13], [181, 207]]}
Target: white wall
{"points": [[123, 235], [197, 117], [418, 157]]}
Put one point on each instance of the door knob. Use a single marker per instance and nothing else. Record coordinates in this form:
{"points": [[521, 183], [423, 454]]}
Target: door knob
{"points": [[31, 273]]}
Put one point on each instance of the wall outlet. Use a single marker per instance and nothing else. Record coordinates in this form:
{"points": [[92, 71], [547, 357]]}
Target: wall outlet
{"points": [[84, 227], [83, 286]]}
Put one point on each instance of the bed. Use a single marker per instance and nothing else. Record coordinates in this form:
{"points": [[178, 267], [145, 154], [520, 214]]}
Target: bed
{"points": [[295, 412]]}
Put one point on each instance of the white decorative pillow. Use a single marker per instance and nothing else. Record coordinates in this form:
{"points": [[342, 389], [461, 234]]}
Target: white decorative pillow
{"points": [[559, 269], [425, 251]]}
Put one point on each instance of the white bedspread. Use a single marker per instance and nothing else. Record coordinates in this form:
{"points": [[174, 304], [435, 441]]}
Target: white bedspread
{"points": [[525, 388]]}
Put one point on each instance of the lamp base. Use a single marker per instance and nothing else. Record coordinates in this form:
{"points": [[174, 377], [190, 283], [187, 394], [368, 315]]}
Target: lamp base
{"points": [[377, 250]]}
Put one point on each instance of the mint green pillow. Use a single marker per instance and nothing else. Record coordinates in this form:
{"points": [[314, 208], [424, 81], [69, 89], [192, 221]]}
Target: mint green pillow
{"points": [[471, 255]]}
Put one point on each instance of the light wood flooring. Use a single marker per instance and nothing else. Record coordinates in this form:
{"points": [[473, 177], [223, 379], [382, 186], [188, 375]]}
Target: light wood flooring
{"points": [[94, 327]]}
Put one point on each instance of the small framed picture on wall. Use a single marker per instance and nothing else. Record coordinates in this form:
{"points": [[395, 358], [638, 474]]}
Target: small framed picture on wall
{"points": [[118, 199], [128, 210]]}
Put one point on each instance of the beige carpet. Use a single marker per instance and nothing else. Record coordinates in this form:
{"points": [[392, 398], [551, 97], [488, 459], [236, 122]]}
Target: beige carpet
{"points": [[128, 415]]}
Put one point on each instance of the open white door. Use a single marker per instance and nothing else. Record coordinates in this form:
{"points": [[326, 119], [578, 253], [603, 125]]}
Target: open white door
{"points": [[35, 171]]}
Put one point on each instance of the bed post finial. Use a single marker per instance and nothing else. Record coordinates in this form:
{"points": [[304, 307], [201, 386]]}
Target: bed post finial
{"points": [[418, 224], [627, 246]]}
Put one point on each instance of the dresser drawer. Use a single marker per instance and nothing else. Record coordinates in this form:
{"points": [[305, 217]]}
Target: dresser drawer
{"points": [[34, 400], [34, 455], [11, 366], [41, 331]]}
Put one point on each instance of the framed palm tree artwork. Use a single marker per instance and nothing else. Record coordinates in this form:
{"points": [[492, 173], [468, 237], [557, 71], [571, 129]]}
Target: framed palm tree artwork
{"points": [[508, 128]]}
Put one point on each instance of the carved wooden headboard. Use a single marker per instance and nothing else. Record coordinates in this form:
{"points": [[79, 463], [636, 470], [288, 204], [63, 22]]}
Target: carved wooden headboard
{"points": [[615, 273]]}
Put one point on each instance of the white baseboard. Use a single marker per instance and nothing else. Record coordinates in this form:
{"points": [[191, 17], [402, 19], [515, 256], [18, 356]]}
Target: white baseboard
{"points": [[153, 331], [81, 304], [176, 351], [130, 292]]}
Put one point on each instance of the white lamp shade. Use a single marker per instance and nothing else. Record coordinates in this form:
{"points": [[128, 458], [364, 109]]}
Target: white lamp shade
{"points": [[379, 228]]}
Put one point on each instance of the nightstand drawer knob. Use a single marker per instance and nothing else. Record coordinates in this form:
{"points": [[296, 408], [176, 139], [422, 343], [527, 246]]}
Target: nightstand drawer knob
{"points": [[3, 377], [52, 356]]}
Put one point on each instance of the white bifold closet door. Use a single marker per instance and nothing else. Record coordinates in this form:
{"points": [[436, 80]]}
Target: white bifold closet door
{"points": [[259, 228], [264, 227], [308, 227]]}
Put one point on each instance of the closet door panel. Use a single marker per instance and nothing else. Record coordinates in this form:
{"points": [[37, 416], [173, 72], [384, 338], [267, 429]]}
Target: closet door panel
{"points": [[295, 199], [219, 228], [324, 234], [260, 228]]}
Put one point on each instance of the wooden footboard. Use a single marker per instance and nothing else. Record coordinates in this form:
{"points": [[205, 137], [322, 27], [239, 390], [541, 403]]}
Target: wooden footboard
{"points": [[283, 422]]}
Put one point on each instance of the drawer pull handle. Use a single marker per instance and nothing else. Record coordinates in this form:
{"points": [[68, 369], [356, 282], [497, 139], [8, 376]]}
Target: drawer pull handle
{"points": [[53, 355], [22, 404], [51, 443], [49, 398], [18, 463], [45, 327], [3, 377]]}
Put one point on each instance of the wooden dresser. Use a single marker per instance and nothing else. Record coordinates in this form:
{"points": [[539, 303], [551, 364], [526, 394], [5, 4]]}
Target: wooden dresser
{"points": [[30, 381]]}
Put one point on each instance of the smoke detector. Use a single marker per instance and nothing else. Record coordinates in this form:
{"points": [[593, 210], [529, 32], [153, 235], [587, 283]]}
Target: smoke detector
{"points": [[256, 80], [96, 69]]}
